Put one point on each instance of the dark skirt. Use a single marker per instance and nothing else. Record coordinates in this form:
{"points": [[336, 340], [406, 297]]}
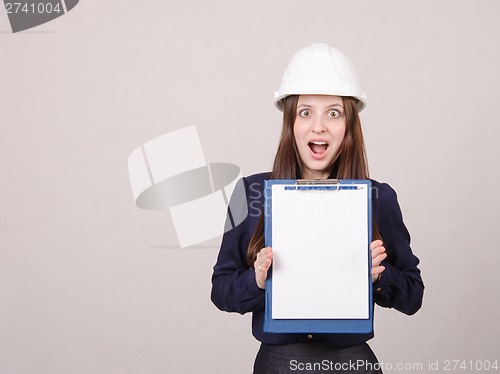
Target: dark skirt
{"points": [[315, 358]]}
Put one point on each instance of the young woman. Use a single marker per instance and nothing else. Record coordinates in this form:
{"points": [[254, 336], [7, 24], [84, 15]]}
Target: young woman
{"points": [[321, 138]]}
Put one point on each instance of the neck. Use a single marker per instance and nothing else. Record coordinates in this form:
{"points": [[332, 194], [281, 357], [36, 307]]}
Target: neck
{"points": [[312, 174]]}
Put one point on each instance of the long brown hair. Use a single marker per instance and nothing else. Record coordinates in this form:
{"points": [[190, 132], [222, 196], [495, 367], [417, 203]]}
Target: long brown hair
{"points": [[351, 163]]}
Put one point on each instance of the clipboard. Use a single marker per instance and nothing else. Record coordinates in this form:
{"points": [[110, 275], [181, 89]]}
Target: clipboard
{"points": [[320, 279]]}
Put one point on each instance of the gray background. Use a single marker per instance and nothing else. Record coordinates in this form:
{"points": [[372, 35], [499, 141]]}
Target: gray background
{"points": [[89, 283]]}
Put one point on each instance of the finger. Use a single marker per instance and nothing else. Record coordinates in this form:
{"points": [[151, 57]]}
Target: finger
{"points": [[261, 276], [375, 244], [266, 252], [377, 260], [381, 257], [260, 259], [262, 273], [377, 273], [264, 255], [262, 264], [378, 270], [378, 251]]}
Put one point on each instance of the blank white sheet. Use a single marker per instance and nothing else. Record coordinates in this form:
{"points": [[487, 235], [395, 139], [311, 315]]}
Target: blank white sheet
{"points": [[320, 254]]}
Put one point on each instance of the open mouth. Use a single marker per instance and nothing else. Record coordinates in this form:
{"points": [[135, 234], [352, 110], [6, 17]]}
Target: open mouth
{"points": [[318, 147]]}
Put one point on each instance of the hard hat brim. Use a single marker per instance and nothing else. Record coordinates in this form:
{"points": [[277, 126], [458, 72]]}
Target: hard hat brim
{"points": [[279, 100]]}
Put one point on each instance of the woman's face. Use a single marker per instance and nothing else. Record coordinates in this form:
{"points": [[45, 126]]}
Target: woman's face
{"points": [[319, 129]]}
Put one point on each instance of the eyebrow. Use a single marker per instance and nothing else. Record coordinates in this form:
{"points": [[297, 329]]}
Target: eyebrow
{"points": [[328, 106]]}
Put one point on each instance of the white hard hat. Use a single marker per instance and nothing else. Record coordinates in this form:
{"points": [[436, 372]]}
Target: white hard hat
{"points": [[320, 70]]}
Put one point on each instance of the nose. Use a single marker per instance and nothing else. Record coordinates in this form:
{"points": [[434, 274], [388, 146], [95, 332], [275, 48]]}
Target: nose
{"points": [[318, 125]]}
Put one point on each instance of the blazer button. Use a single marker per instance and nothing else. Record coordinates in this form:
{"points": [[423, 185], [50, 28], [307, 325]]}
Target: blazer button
{"points": [[379, 289], [309, 336]]}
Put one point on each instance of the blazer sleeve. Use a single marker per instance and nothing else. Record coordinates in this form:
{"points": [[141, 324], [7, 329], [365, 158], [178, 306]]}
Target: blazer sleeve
{"points": [[234, 288], [400, 286]]}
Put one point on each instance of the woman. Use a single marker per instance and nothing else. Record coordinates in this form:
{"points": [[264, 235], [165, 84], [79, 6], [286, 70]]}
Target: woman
{"points": [[321, 138]]}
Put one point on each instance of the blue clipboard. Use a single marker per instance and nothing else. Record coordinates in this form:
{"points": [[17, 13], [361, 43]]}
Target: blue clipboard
{"points": [[344, 325]]}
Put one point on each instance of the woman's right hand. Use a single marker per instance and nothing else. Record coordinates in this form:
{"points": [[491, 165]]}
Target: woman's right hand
{"points": [[262, 265]]}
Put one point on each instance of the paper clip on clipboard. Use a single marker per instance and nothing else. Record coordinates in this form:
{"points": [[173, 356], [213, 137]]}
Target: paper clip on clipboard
{"points": [[320, 281]]}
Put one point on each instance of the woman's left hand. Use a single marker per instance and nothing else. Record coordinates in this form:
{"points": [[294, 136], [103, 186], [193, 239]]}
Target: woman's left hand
{"points": [[378, 255]]}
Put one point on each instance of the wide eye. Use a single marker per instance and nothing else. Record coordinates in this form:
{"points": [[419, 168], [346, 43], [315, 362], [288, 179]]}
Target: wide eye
{"points": [[304, 113], [334, 113]]}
